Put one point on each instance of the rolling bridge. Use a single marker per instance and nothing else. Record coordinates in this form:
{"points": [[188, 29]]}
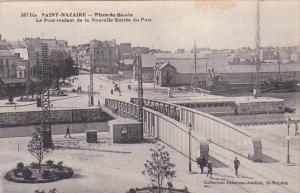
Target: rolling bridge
{"points": [[170, 123]]}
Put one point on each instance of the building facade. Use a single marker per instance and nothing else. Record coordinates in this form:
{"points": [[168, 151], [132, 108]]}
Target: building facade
{"points": [[103, 55], [124, 51], [8, 64]]}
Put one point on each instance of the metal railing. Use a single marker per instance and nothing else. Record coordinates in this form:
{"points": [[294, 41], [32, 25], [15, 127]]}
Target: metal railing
{"points": [[214, 129], [159, 126]]}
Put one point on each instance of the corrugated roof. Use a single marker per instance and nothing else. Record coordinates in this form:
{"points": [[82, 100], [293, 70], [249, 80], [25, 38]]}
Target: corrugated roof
{"points": [[157, 59], [148, 60], [188, 67]]}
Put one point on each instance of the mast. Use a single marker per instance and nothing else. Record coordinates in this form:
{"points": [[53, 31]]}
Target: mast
{"points": [[256, 91], [195, 57], [195, 64], [278, 61]]}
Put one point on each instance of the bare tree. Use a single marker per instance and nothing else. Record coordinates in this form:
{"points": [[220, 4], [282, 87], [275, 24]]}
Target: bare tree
{"points": [[159, 169], [36, 148]]}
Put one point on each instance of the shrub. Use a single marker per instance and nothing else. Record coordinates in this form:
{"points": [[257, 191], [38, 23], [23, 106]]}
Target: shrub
{"points": [[20, 166], [27, 173], [60, 165], [131, 190], [34, 165], [16, 172], [159, 169], [46, 174], [49, 162], [66, 173]]}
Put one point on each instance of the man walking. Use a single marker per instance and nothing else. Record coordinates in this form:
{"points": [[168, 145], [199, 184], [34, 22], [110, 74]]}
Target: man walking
{"points": [[201, 161], [209, 167], [68, 132], [236, 164]]}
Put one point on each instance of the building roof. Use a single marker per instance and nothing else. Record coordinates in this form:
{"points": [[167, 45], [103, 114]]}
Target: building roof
{"points": [[22, 51], [265, 67], [128, 61], [164, 65], [12, 80], [6, 53], [157, 59]]}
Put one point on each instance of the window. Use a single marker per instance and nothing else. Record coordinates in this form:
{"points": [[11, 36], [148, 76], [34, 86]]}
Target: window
{"points": [[7, 62], [1, 62], [210, 105]]}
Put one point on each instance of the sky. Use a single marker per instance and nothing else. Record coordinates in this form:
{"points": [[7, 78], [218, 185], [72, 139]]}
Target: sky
{"points": [[174, 24]]}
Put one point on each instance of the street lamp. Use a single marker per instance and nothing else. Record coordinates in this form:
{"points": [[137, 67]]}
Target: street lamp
{"points": [[288, 140], [190, 157]]}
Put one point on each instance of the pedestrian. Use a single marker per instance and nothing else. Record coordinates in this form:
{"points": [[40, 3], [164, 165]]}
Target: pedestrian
{"points": [[68, 132], [111, 91], [201, 161], [236, 164], [296, 129], [209, 168]]}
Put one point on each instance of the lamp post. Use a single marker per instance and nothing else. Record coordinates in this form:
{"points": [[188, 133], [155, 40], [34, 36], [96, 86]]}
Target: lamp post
{"points": [[190, 157], [288, 141]]}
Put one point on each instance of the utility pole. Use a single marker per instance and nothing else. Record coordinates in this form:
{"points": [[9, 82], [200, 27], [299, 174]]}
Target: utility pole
{"points": [[278, 61], [190, 151], [195, 63], [256, 91], [45, 98], [288, 141], [206, 75], [92, 64], [138, 63]]}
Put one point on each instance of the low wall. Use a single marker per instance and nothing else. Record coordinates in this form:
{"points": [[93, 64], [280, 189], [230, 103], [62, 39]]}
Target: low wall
{"points": [[13, 119]]}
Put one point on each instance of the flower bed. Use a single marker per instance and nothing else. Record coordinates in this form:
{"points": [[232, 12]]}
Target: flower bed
{"points": [[34, 174]]}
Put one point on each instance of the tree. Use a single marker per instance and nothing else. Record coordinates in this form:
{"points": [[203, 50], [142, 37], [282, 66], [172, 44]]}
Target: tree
{"points": [[62, 65], [36, 148], [159, 169]]}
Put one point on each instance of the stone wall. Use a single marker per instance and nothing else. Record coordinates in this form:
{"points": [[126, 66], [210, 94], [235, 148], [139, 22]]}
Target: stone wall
{"points": [[12, 119]]}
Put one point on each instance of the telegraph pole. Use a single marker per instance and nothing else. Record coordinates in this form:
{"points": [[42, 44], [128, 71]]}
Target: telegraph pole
{"points": [[45, 98], [256, 91], [91, 89], [195, 63], [138, 63]]}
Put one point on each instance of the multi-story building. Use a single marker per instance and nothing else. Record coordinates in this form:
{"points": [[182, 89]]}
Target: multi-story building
{"points": [[83, 55], [34, 50], [104, 58], [10, 84], [3, 43], [268, 54], [124, 51], [8, 63]]}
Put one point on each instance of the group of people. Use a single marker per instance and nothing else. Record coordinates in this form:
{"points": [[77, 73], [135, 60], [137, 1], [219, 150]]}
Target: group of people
{"points": [[202, 162]]}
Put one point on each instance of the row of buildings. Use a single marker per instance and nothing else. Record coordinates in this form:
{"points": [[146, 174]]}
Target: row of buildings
{"points": [[181, 68], [18, 59]]}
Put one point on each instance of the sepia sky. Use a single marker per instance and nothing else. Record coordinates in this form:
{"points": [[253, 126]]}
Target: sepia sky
{"points": [[175, 24]]}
